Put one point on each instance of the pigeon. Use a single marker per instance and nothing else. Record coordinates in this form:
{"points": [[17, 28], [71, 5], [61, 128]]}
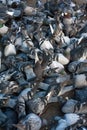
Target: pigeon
{"points": [[3, 30], [80, 80], [80, 94], [77, 67], [62, 59], [36, 105], [31, 122], [21, 102], [68, 21], [10, 113], [74, 106], [10, 50], [68, 120]]}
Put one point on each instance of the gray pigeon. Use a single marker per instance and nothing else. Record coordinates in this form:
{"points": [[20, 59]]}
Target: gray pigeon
{"points": [[31, 122]]}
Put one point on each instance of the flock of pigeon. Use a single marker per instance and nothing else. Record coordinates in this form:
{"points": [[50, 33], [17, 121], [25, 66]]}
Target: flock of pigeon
{"points": [[43, 58]]}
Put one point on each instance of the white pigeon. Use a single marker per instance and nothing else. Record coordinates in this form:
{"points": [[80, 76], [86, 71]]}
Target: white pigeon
{"points": [[62, 59], [80, 80], [46, 45], [56, 65], [10, 50], [29, 10], [3, 30]]}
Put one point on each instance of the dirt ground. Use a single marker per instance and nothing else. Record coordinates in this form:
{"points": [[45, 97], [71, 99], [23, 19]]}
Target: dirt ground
{"points": [[49, 113]]}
